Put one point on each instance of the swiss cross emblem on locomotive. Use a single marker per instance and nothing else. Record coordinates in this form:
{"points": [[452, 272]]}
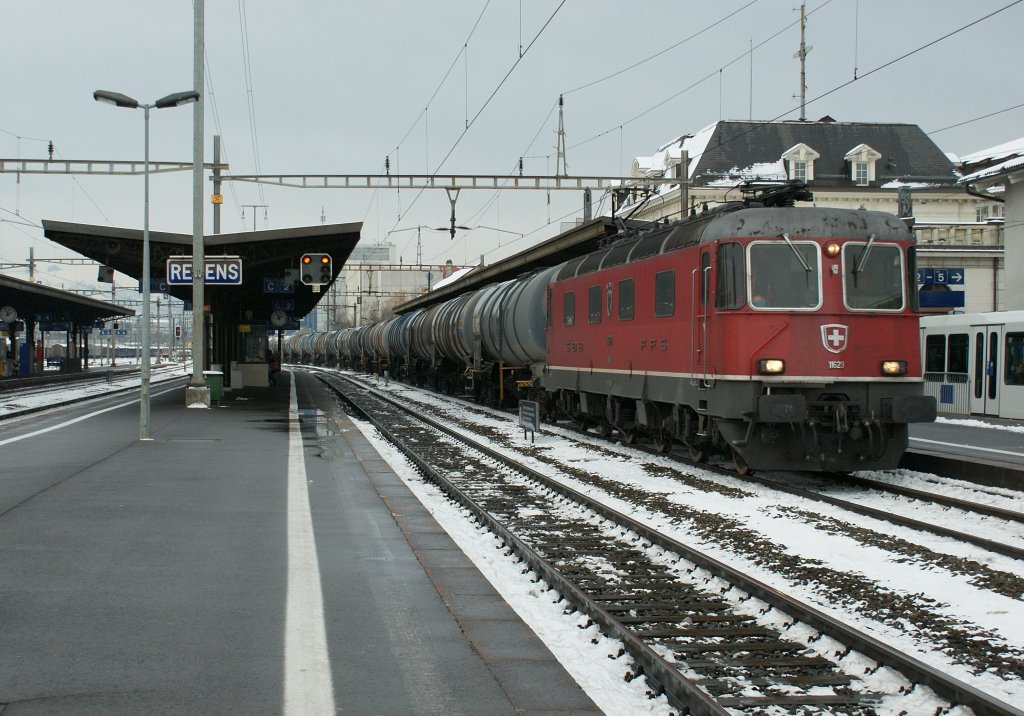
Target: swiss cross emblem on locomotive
{"points": [[833, 337]]}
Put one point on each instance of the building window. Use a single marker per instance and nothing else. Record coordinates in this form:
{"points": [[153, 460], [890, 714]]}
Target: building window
{"points": [[862, 173], [989, 213], [862, 159], [800, 159]]}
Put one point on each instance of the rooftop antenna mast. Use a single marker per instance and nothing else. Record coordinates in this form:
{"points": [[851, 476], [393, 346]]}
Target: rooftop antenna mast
{"points": [[802, 56]]}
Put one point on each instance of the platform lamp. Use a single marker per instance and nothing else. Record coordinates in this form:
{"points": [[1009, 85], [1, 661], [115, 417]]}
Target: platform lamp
{"points": [[119, 100]]}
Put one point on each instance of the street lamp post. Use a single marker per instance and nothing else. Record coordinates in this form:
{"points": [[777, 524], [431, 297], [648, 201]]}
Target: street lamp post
{"points": [[119, 100]]}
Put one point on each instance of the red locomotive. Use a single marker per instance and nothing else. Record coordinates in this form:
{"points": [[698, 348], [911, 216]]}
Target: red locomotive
{"points": [[783, 337]]}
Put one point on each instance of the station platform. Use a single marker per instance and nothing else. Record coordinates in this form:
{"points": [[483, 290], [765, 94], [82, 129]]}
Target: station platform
{"points": [[168, 576], [987, 451]]}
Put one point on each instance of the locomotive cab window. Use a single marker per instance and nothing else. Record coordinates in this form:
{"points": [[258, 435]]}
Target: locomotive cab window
{"points": [[594, 304], [729, 288], [569, 308], [873, 276], [664, 293], [784, 274]]}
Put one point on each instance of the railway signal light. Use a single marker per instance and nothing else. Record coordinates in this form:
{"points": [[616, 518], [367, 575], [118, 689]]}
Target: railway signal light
{"points": [[177, 331], [316, 269]]}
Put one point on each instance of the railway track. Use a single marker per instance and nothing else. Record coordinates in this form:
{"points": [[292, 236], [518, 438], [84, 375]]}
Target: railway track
{"points": [[820, 494], [30, 395], [712, 639]]}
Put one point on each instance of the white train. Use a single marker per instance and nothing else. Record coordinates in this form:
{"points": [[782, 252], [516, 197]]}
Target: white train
{"points": [[974, 363]]}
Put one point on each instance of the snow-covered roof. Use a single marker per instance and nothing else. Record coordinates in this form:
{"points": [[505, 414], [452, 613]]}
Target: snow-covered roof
{"points": [[670, 153], [897, 184], [761, 171], [1000, 151], [1000, 159], [452, 278]]}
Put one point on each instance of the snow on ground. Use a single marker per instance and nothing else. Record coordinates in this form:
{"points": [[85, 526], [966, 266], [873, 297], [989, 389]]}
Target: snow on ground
{"points": [[45, 396], [948, 594], [982, 424]]}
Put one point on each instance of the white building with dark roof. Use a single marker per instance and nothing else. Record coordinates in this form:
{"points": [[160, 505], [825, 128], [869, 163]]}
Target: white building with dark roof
{"points": [[999, 172]]}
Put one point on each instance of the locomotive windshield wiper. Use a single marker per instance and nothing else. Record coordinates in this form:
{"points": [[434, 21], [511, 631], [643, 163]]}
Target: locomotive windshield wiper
{"points": [[799, 258], [864, 256]]}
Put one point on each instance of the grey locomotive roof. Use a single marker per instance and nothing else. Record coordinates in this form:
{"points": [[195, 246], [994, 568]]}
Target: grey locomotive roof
{"points": [[908, 155], [818, 222], [754, 222]]}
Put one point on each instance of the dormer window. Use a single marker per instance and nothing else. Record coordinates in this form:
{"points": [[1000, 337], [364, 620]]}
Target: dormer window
{"points": [[861, 173], [800, 162], [862, 160]]}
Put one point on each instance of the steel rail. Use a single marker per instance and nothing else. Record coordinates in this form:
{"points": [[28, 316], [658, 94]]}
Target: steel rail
{"points": [[891, 517], [977, 507]]}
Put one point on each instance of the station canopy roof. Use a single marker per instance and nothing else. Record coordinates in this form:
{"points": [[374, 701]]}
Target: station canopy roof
{"points": [[264, 254], [32, 300], [577, 241]]}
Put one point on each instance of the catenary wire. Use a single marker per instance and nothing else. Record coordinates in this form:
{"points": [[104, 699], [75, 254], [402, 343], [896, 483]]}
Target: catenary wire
{"points": [[703, 79], [484, 105], [976, 119], [250, 99], [662, 52], [215, 111]]}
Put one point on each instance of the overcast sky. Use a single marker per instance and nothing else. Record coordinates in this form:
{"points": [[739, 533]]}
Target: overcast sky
{"points": [[335, 86]]}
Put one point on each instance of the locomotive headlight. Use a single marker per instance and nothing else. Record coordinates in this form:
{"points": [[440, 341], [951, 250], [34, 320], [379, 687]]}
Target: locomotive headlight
{"points": [[894, 367], [771, 366], [832, 249]]}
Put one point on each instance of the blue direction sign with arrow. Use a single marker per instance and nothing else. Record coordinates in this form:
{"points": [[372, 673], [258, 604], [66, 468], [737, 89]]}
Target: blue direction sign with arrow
{"points": [[941, 276]]}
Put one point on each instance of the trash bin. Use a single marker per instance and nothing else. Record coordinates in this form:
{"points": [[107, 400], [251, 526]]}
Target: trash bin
{"points": [[214, 379]]}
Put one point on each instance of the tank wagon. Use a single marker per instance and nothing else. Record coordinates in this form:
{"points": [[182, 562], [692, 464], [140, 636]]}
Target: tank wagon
{"points": [[780, 337]]}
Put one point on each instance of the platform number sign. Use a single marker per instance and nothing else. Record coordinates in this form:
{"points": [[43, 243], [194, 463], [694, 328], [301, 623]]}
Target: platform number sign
{"points": [[951, 276]]}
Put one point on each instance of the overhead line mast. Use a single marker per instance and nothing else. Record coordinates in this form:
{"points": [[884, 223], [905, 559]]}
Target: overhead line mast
{"points": [[802, 55]]}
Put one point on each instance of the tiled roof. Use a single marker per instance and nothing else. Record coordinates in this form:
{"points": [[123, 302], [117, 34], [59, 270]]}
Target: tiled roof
{"points": [[908, 155]]}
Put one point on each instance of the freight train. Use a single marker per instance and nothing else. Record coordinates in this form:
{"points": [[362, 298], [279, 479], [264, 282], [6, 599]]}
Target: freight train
{"points": [[781, 337]]}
